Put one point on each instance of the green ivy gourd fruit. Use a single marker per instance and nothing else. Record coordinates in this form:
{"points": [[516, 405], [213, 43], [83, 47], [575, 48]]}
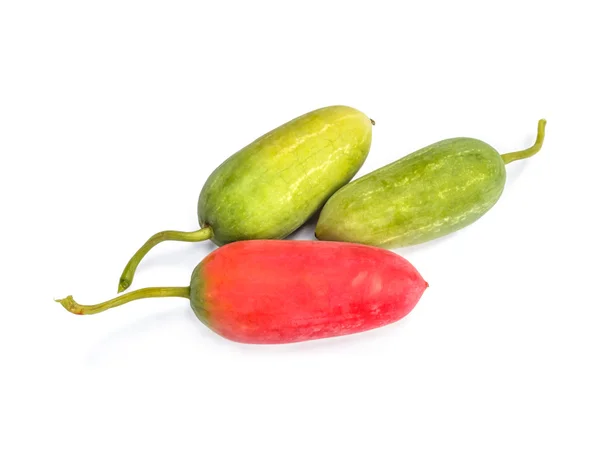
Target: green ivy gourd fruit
{"points": [[427, 194], [272, 186]]}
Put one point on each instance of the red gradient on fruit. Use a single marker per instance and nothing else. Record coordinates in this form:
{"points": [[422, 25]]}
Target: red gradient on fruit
{"points": [[272, 292]]}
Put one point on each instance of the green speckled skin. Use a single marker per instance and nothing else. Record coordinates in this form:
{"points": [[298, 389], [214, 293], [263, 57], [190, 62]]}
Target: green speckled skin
{"points": [[272, 186], [425, 195]]}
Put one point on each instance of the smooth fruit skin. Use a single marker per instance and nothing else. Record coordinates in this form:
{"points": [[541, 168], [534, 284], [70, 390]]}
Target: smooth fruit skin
{"points": [[271, 187], [425, 195], [273, 292]]}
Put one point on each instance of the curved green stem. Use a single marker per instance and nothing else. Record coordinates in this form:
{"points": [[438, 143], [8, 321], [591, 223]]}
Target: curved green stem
{"points": [[185, 236], [72, 306], [514, 156]]}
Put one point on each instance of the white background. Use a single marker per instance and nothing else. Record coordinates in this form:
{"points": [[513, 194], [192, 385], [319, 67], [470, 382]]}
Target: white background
{"points": [[112, 115]]}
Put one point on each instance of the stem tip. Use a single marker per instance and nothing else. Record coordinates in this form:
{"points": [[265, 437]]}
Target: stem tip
{"points": [[123, 284], [71, 305]]}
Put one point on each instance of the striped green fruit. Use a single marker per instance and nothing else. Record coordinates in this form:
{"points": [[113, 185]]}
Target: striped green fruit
{"points": [[428, 194], [272, 186]]}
